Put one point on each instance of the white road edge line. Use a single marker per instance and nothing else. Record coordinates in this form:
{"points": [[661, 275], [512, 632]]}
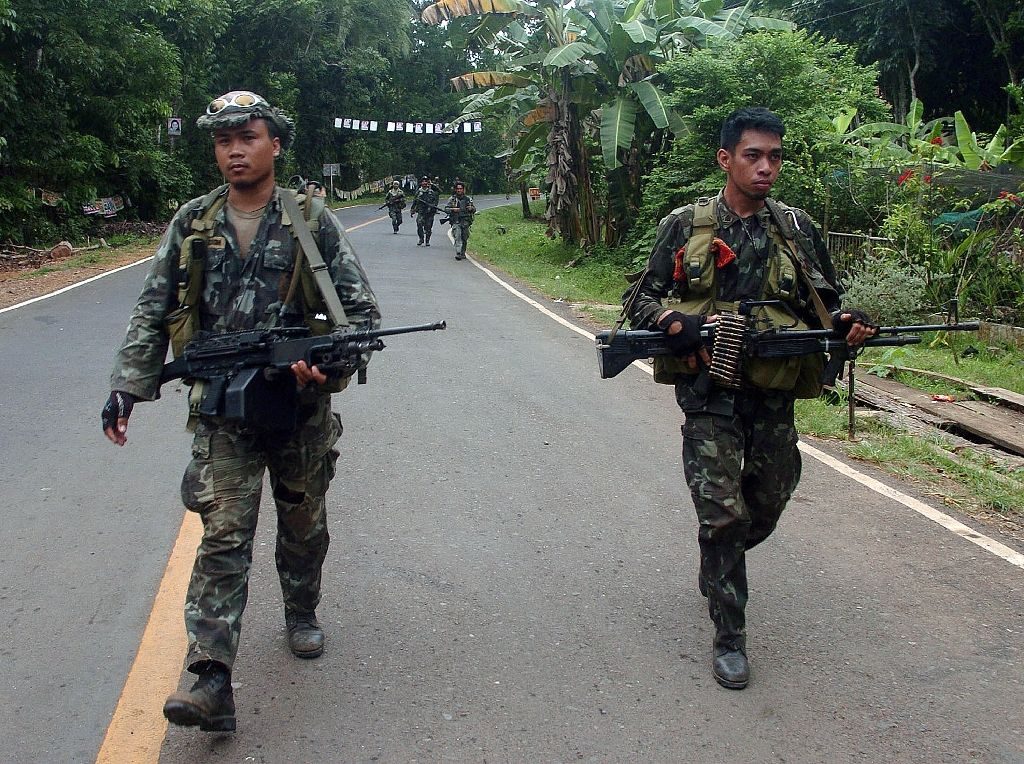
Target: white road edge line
{"points": [[990, 545], [132, 265], [73, 286]]}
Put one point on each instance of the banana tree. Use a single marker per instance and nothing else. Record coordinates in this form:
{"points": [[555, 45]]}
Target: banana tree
{"points": [[916, 140], [976, 156], [594, 65]]}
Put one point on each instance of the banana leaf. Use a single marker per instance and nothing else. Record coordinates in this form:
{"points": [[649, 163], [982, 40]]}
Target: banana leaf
{"points": [[618, 125]]}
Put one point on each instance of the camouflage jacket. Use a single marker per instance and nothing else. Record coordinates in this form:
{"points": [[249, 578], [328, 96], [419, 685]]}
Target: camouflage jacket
{"points": [[425, 201], [395, 198], [237, 294], [461, 211], [750, 240], [744, 279]]}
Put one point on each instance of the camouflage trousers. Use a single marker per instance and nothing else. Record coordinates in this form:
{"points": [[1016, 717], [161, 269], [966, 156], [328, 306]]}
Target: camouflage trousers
{"points": [[741, 471], [424, 226], [396, 217], [460, 233], [224, 483]]}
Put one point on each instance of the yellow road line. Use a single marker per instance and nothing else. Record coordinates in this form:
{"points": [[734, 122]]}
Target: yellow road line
{"points": [[137, 729]]}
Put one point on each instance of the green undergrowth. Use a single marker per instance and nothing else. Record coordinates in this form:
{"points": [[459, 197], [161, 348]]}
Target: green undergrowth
{"points": [[522, 249]]}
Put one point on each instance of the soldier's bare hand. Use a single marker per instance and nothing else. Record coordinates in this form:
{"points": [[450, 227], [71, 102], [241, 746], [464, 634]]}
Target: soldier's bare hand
{"points": [[305, 374]]}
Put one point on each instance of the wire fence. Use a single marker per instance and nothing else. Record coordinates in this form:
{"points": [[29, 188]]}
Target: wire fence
{"points": [[848, 250]]}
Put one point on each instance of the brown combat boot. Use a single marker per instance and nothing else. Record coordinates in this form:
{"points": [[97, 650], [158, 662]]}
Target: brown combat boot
{"points": [[210, 704], [305, 637]]}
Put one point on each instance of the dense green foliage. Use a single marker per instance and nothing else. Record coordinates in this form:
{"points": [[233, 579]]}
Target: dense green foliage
{"points": [[951, 54], [87, 86], [806, 80]]}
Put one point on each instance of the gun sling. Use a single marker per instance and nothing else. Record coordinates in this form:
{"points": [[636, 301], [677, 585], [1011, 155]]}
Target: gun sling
{"points": [[321, 274]]}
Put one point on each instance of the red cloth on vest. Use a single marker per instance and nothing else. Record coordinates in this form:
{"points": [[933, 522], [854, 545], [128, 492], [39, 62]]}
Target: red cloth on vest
{"points": [[722, 252]]}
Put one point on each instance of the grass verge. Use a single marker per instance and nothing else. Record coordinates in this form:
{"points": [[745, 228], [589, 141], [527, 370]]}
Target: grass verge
{"points": [[961, 478]]}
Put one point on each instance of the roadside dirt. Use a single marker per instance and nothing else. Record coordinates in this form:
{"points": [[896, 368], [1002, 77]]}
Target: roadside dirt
{"points": [[22, 284]]}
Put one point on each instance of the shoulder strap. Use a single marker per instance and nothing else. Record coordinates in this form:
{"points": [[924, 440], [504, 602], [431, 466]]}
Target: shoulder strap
{"points": [[301, 231], [702, 230], [780, 217]]}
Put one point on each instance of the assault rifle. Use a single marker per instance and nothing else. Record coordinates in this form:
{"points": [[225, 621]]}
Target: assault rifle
{"points": [[735, 337], [434, 207], [394, 202], [248, 374]]}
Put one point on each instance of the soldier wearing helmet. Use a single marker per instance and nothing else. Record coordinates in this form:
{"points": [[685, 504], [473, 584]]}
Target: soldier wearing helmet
{"points": [[460, 209], [394, 200], [424, 207], [234, 248]]}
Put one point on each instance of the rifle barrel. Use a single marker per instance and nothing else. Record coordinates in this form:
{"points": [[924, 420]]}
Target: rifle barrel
{"points": [[371, 333], [964, 326]]}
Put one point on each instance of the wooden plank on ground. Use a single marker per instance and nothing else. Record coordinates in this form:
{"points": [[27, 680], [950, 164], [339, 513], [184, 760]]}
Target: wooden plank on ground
{"points": [[994, 424], [1000, 395]]}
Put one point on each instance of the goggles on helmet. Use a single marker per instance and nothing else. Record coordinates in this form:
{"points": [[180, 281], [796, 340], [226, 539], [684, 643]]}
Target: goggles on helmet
{"points": [[237, 107], [243, 98]]}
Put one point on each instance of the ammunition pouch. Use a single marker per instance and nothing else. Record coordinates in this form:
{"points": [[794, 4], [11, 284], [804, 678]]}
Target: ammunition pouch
{"points": [[668, 368], [182, 322]]}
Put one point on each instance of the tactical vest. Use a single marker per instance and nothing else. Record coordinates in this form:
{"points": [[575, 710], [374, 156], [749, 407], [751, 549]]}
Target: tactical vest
{"points": [[321, 312], [697, 294], [183, 322]]}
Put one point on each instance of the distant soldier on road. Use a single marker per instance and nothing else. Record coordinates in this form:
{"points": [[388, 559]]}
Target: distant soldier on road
{"points": [[424, 207], [460, 209], [395, 202]]}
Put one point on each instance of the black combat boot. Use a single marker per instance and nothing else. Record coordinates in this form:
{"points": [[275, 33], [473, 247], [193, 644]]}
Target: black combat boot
{"points": [[420, 242], [427, 242], [729, 664], [210, 704], [305, 637]]}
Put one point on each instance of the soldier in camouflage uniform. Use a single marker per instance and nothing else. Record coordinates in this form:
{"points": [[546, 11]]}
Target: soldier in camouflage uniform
{"points": [[424, 207], [246, 273], [395, 202], [460, 209], [740, 454]]}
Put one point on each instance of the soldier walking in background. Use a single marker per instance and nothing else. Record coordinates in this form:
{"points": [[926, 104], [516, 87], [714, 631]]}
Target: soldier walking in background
{"points": [[740, 452], [424, 207], [395, 202], [228, 262], [460, 209]]}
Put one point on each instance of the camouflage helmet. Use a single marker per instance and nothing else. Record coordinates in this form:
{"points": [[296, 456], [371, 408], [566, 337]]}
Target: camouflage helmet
{"points": [[237, 107]]}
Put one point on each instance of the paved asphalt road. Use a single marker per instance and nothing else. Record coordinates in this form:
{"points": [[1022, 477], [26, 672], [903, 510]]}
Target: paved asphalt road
{"points": [[512, 572]]}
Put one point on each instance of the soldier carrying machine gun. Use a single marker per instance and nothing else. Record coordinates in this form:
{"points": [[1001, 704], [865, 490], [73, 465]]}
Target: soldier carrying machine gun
{"points": [[734, 337]]}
